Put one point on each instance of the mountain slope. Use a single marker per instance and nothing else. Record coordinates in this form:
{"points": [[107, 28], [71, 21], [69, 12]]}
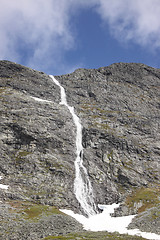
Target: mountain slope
{"points": [[119, 108]]}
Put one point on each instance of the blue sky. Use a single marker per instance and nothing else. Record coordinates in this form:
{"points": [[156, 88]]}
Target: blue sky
{"points": [[58, 36]]}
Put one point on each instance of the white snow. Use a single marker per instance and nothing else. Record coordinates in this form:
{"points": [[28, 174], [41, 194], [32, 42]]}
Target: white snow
{"points": [[104, 222], [41, 100], [2, 186]]}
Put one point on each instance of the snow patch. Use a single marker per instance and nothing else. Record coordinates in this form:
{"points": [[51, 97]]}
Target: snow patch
{"points": [[41, 100], [105, 222], [2, 186]]}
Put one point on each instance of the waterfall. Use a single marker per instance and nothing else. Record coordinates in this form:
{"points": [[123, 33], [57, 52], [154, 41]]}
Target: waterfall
{"points": [[84, 193], [82, 185]]}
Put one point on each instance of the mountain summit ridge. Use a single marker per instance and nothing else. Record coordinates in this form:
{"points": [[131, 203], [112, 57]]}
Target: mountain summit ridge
{"points": [[119, 109]]}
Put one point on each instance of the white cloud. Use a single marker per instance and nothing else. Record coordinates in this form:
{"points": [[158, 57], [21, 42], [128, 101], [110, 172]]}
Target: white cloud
{"points": [[38, 30], [136, 20], [38, 33]]}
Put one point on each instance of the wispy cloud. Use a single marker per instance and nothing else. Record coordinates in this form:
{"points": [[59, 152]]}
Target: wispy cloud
{"points": [[38, 33], [133, 20], [35, 31]]}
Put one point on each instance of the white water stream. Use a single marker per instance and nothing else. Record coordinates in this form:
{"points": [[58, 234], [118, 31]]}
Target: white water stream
{"points": [[84, 192], [82, 186]]}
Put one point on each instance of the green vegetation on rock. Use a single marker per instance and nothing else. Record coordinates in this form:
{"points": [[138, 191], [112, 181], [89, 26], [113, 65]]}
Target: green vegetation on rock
{"points": [[20, 156], [93, 236], [31, 211], [144, 198], [35, 211]]}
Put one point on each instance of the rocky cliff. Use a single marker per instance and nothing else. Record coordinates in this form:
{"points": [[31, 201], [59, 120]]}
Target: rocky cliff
{"points": [[119, 108]]}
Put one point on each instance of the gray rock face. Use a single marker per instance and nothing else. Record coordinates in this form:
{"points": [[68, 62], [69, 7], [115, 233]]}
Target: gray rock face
{"points": [[148, 221], [119, 108], [37, 138], [19, 225]]}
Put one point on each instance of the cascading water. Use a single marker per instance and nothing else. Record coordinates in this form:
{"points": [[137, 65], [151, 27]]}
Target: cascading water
{"points": [[84, 193], [82, 185]]}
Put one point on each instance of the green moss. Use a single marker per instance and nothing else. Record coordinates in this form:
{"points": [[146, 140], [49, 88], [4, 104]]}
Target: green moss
{"points": [[37, 210], [2, 90], [148, 197], [2, 94], [58, 237], [23, 153], [87, 107], [20, 156], [93, 236], [155, 214], [5, 91], [128, 164], [104, 126], [110, 155], [50, 165], [33, 212]]}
